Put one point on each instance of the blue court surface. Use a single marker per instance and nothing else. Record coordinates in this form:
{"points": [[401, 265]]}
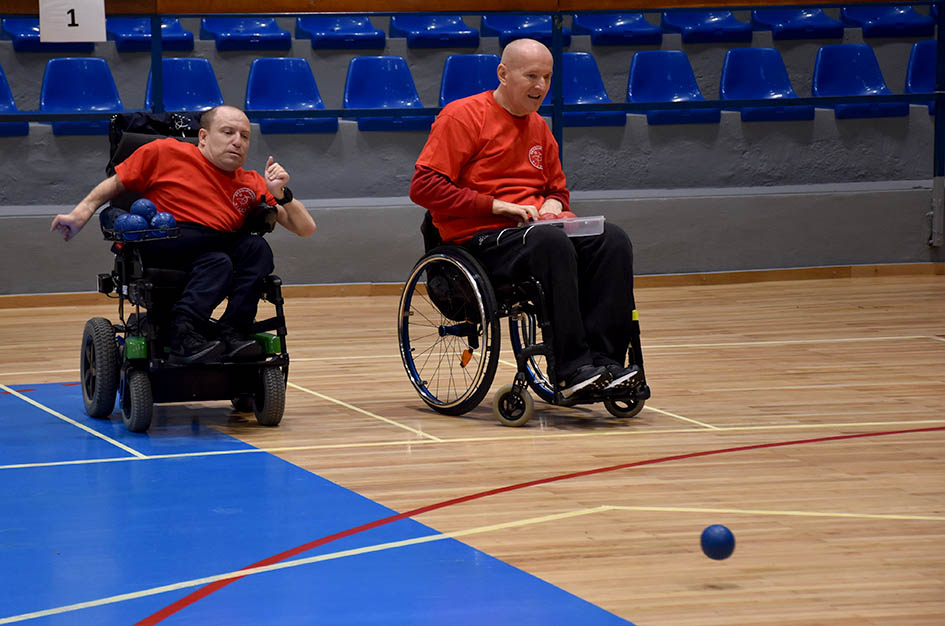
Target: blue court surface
{"points": [[131, 523]]}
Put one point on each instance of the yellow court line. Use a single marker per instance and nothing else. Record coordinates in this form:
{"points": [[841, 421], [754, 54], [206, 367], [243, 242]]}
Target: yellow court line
{"points": [[419, 433], [72, 421], [680, 509], [937, 338], [74, 369], [782, 342]]}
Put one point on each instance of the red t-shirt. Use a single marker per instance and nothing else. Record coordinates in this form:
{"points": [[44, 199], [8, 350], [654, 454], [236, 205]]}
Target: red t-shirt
{"points": [[179, 180], [482, 148]]}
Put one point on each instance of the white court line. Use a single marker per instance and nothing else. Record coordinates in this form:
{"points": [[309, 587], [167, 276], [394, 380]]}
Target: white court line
{"points": [[419, 433], [685, 419], [198, 582], [784, 342], [74, 369], [72, 421]]}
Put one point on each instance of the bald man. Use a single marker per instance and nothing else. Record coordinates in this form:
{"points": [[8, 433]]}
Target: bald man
{"points": [[210, 195], [490, 166]]}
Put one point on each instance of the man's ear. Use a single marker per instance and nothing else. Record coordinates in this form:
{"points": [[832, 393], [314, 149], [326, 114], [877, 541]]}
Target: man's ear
{"points": [[503, 73], [201, 136]]}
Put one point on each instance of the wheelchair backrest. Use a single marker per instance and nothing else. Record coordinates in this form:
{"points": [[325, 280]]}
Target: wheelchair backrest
{"points": [[129, 131], [431, 235]]}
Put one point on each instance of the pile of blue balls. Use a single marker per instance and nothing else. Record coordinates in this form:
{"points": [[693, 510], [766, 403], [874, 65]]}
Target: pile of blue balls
{"points": [[144, 222]]}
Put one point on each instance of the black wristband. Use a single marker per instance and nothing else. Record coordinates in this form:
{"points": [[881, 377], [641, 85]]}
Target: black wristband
{"points": [[287, 196]]}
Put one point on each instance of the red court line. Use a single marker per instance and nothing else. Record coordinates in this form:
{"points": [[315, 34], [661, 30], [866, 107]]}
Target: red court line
{"points": [[16, 390], [203, 592]]}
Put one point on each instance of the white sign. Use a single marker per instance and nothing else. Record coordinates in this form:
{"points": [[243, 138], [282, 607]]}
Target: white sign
{"points": [[72, 20]]}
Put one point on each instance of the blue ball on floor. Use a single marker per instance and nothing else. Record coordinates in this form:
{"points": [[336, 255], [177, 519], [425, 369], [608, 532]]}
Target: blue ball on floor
{"points": [[718, 542], [145, 208]]}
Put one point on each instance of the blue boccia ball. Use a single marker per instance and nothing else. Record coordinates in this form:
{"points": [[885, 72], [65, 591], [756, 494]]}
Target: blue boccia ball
{"points": [[718, 542], [145, 208], [163, 221], [130, 226]]}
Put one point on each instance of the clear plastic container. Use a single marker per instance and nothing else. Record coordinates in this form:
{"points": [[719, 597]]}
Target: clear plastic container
{"points": [[576, 226]]}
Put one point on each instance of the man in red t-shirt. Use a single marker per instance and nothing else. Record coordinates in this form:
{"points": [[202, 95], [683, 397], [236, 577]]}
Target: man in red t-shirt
{"points": [[490, 165], [210, 195]]}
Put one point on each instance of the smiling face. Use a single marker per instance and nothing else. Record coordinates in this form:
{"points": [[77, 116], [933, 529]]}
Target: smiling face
{"points": [[224, 137], [524, 76]]}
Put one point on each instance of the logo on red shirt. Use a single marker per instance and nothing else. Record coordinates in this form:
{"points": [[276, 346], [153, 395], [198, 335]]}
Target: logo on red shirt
{"points": [[243, 199], [534, 156]]}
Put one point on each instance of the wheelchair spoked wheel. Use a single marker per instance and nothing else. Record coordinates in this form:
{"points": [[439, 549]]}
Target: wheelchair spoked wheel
{"points": [[513, 407], [269, 399], [524, 332], [99, 367], [448, 330], [137, 402]]}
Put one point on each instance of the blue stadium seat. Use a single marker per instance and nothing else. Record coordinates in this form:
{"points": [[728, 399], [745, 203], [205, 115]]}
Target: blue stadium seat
{"points": [[666, 76], [286, 84], [133, 34], [468, 74], [245, 33], [79, 85], [511, 27], [616, 29], [755, 73], [24, 31], [189, 84], [582, 84], [706, 26], [851, 69], [7, 105], [888, 21], [920, 75], [797, 23], [383, 82], [434, 31], [340, 32]]}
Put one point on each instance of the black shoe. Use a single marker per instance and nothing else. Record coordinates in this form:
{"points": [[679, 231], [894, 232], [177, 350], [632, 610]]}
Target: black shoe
{"points": [[189, 347], [239, 346], [585, 379], [622, 378]]}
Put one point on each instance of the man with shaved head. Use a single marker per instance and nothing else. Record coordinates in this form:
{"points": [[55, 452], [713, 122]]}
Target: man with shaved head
{"points": [[490, 166], [210, 195]]}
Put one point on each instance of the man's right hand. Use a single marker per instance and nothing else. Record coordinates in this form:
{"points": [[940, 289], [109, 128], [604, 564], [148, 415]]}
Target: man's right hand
{"points": [[68, 225], [521, 213]]}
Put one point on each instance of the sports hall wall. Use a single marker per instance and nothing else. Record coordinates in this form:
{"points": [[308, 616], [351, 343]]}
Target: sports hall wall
{"points": [[695, 197]]}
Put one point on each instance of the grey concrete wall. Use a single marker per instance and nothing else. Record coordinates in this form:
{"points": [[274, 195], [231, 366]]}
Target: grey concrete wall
{"points": [[695, 197]]}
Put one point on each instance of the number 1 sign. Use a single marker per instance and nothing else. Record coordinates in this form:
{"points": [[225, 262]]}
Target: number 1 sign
{"points": [[72, 20]]}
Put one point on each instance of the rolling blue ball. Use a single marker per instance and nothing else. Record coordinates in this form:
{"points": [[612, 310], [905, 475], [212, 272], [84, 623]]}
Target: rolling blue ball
{"points": [[130, 226], [145, 208], [718, 542]]}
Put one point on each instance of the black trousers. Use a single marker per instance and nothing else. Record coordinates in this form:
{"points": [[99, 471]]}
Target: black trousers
{"points": [[221, 266], [588, 282]]}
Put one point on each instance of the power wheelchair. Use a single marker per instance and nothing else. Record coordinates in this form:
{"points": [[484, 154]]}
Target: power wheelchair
{"points": [[130, 357], [448, 328]]}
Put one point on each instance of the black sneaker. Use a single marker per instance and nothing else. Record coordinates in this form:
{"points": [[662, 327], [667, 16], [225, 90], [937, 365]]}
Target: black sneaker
{"points": [[587, 378], [189, 347], [238, 345], [622, 377]]}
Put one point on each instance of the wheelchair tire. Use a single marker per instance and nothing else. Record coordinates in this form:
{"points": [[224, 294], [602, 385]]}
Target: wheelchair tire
{"points": [[448, 330], [624, 407], [99, 367], [523, 332], [511, 407], [269, 401], [243, 403], [137, 403]]}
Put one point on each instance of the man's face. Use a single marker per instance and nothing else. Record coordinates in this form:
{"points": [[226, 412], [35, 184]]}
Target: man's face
{"points": [[525, 81], [226, 142]]}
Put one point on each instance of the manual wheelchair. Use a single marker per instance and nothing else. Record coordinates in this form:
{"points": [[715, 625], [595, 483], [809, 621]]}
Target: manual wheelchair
{"points": [[448, 328], [130, 358]]}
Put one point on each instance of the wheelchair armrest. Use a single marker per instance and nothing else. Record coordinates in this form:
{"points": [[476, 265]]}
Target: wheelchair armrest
{"points": [[261, 220], [272, 289]]}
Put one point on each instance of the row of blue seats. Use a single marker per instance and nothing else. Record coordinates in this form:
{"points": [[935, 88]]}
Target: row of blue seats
{"points": [[424, 31], [85, 84]]}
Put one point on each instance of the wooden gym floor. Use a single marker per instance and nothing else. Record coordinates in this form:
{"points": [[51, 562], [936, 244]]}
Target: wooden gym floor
{"points": [[808, 416]]}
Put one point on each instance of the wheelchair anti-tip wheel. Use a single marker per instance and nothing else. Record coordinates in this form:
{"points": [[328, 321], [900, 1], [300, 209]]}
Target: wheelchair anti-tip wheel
{"points": [[269, 400], [624, 407], [137, 403], [513, 407], [99, 367], [448, 330], [243, 403]]}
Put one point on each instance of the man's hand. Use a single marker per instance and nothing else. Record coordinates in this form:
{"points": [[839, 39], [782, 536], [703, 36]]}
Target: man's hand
{"points": [[68, 225], [551, 206], [276, 178], [521, 213]]}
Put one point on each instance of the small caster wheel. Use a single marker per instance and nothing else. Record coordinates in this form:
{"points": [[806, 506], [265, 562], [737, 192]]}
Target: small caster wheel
{"points": [[512, 408], [624, 407]]}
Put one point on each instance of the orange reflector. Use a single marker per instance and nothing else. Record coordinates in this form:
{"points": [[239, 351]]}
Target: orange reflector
{"points": [[465, 357]]}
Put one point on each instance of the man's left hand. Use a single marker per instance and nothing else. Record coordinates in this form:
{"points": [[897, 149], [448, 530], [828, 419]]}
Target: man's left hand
{"points": [[276, 178]]}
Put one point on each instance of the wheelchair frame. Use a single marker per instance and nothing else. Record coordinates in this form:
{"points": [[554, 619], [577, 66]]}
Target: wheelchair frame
{"points": [[436, 359]]}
